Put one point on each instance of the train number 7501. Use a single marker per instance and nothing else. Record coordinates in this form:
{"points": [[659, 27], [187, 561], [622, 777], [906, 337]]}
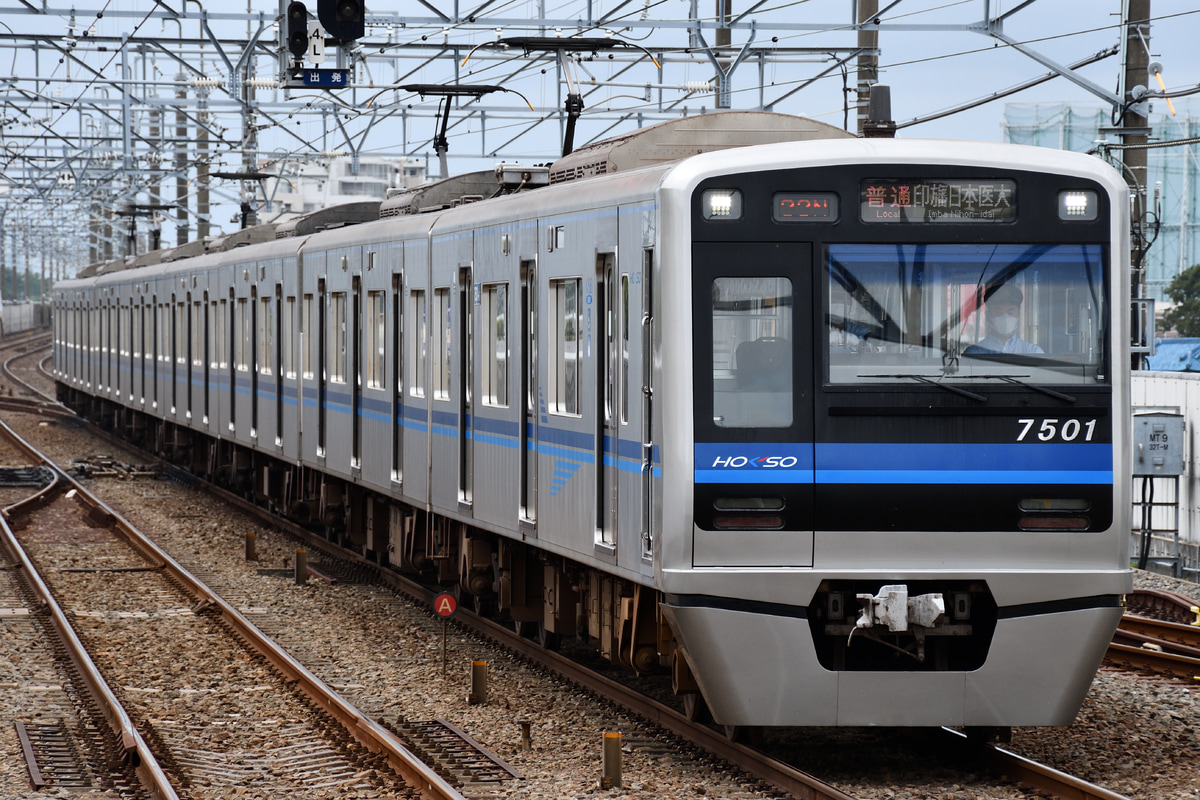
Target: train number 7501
{"points": [[1065, 430]]}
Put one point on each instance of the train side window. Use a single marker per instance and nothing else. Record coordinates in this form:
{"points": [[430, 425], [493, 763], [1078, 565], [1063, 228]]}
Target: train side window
{"points": [[495, 344], [337, 337], [419, 343], [565, 350], [222, 348], [442, 344], [181, 332], [197, 334], [376, 336], [308, 326], [266, 347], [289, 338], [242, 356], [624, 348], [752, 352]]}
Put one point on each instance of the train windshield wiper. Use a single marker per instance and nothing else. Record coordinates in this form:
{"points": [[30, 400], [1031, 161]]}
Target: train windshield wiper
{"points": [[1017, 380], [927, 380]]}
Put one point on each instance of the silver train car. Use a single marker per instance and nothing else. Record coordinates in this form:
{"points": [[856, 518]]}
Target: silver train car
{"points": [[833, 430]]}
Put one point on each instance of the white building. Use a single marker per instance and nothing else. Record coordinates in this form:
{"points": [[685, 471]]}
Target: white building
{"points": [[301, 187]]}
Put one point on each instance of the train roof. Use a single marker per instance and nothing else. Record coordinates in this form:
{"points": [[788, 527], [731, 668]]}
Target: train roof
{"points": [[677, 139]]}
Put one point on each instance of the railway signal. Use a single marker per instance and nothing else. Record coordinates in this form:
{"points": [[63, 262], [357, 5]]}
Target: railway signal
{"points": [[297, 29], [342, 19]]}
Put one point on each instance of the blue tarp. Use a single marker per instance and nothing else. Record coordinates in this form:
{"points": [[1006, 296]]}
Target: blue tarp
{"points": [[1175, 355]]}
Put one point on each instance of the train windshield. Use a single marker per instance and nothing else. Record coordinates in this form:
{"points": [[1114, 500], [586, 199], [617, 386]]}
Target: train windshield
{"points": [[974, 313]]}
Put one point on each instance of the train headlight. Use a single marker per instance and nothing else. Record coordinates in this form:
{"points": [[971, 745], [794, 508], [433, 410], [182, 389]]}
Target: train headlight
{"points": [[721, 204], [1078, 205]]}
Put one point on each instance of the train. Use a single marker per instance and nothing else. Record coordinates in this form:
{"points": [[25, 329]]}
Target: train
{"points": [[833, 431]]}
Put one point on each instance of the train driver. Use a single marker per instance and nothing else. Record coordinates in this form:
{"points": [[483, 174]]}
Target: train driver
{"points": [[1003, 319]]}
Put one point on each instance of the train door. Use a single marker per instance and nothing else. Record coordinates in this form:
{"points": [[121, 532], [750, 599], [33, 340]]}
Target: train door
{"points": [[208, 355], [145, 320], [465, 382], [173, 345], [254, 362], [356, 376], [190, 353], [529, 397], [234, 329], [397, 381], [322, 363], [607, 432], [281, 333], [157, 338]]}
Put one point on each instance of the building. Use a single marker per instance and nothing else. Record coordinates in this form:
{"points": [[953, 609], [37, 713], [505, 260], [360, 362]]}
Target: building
{"points": [[301, 187], [1173, 194]]}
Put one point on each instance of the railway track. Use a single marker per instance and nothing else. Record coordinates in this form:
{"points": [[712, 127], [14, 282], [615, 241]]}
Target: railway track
{"points": [[163, 617], [763, 767], [1162, 637]]}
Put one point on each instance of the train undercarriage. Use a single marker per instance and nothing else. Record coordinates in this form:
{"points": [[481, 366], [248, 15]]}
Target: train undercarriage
{"points": [[545, 596]]}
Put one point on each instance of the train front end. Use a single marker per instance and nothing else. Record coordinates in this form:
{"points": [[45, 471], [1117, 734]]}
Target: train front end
{"points": [[897, 493]]}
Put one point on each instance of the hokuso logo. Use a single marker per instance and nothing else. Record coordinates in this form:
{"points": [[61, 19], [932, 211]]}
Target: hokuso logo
{"points": [[765, 462]]}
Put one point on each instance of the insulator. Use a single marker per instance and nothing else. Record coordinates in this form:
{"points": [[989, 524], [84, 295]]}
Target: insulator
{"points": [[333, 153], [206, 83], [263, 83], [698, 86]]}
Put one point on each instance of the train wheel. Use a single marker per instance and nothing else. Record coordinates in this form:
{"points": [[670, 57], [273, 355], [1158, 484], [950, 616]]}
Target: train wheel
{"points": [[695, 708]]}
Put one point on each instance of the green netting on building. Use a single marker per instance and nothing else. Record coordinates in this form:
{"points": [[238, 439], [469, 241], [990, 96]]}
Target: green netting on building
{"points": [[1174, 172]]}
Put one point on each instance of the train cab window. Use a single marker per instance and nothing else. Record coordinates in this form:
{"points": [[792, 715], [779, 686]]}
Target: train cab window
{"points": [[565, 346], [495, 344], [337, 337], [752, 352], [965, 313]]}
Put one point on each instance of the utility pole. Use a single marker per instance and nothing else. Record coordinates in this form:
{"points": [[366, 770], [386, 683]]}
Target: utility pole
{"points": [[1135, 133], [723, 39], [181, 165], [868, 61], [203, 211]]}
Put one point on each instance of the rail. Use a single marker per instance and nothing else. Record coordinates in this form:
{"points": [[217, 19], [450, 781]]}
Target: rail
{"points": [[359, 726], [136, 751], [1021, 769]]}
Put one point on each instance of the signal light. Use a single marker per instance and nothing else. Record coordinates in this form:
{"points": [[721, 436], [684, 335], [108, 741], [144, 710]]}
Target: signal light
{"points": [[342, 19], [297, 29]]}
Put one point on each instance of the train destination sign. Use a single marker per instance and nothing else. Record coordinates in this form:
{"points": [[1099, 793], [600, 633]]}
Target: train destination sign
{"points": [[938, 200]]}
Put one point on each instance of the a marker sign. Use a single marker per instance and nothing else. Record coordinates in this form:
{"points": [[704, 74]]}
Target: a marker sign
{"points": [[444, 605]]}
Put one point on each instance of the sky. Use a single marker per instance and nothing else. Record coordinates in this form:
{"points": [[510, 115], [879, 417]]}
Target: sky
{"points": [[929, 70]]}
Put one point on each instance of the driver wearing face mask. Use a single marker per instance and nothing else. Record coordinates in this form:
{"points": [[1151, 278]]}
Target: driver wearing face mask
{"points": [[1003, 319]]}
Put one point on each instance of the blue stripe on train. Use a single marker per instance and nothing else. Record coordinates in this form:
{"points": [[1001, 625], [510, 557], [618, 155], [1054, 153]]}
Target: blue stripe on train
{"points": [[892, 463]]}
